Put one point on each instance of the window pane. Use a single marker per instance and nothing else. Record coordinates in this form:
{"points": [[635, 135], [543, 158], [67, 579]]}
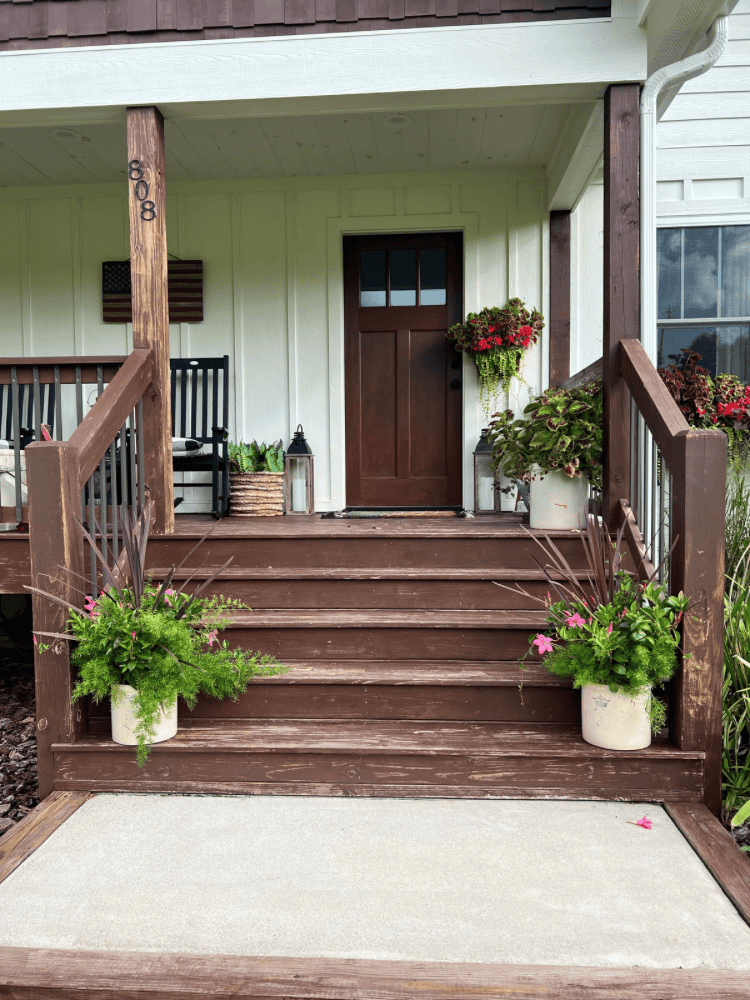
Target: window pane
{"points": [[701, 272], [733, 351], [701, 339], [668, 248], [403, 277], [372, 278], [735, 271], [432, 277]]}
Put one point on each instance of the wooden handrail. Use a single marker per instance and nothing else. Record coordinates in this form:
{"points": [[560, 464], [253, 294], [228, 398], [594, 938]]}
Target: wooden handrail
{"points": [[588, 374], [654, 401], [109, 364], [100, 425]]}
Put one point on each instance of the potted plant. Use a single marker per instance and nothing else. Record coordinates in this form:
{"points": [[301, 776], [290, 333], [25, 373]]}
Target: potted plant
{"points": [[557, 445], [256, 479], [144, 646], [616, 636], [496, 340]]}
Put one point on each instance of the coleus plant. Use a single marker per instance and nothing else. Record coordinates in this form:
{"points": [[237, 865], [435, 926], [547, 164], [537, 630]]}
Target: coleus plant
{"points": [[560, 430], [722, 402], [496, 340]]}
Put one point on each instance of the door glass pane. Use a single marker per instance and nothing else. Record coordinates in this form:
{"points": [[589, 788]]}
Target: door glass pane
{"points": [[403, 277], [432, 277], [372, 278], [701, 272], [735, 271], [668, 249]]}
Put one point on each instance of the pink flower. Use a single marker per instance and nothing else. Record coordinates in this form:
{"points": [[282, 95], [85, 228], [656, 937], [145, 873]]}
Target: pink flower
{"points": [[168, 594], [543, 643], [36, 641], [90, 606], [574, 621], [133, 635], [609, 629], [212, 637], [645, 823]]}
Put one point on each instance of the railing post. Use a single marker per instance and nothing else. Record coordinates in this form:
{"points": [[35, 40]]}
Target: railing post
{"points": [[699, 482], [148, 272], [56, 549], [621, 281]]}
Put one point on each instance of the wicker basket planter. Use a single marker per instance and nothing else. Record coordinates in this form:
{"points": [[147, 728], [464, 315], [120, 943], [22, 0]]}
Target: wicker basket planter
{"points": [[256, 494]]}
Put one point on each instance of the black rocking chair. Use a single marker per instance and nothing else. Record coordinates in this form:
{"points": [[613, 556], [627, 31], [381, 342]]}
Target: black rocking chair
{"points": [[200, 413]]}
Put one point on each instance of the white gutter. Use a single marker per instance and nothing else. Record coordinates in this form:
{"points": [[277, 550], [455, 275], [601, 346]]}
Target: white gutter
{"points": [[663, 78]]}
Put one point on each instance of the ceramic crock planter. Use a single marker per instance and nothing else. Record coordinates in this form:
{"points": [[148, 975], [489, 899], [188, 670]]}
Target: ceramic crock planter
{"points": [[615, 720], [124, 720], [557, 500]]}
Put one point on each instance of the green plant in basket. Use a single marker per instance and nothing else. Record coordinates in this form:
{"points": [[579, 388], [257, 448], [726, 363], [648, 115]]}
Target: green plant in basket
{"points": [[256, 457], [161, 641], [561, 429], [496, 339]]}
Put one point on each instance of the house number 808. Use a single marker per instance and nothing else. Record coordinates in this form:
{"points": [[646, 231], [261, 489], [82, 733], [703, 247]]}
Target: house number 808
{"points": [[141, 189]]}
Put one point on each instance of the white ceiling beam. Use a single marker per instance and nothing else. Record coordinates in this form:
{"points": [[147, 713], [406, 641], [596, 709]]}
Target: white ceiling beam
{"points": [[532, 57], [576, 157]]}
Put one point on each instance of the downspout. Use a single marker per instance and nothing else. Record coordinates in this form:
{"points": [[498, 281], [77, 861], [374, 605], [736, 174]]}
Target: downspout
{"points": [[663, 78]]}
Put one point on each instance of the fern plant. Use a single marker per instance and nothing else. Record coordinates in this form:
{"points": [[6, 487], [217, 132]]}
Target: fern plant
{"points": [[256, 457]]}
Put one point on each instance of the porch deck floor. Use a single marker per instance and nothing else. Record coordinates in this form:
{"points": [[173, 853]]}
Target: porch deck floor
{"points": [[531, 882]]}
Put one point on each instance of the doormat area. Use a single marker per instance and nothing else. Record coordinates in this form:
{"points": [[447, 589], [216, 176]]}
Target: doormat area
{"points": [[397, 513]]}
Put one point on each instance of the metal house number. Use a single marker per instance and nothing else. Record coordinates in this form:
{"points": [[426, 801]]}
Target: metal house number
{"points": [[140, 189]]}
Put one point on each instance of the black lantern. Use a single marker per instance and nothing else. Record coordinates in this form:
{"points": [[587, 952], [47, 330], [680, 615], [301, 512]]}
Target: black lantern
{"points": [[486, 492], [298, 466]]}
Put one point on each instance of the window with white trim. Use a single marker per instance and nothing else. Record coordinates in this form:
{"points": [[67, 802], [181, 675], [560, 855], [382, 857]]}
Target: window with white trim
{"points": [[704, 297]]}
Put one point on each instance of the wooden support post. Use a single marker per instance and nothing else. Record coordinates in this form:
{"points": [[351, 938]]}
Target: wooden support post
{"points": [[559, 296], [698, 570], [56, 550], [148, 271], [621, 281]]}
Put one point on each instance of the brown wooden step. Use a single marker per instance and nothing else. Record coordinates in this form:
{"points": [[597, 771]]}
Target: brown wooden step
{"points": [[377, 588], [385, 634], [372, 548], [382, 757], [458, 691]]}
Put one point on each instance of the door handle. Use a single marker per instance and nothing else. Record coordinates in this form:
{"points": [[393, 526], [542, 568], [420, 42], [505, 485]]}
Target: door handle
{"points": [[456, 383]]}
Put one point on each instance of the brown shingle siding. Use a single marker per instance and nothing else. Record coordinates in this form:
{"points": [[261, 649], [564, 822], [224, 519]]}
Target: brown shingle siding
{"points": [[35, 24]]}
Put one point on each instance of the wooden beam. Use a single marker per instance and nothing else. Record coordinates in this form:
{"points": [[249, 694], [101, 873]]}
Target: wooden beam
{"points": [[559, 296], [698, 570], [23, 839], [621, 281], [59, 974], [716, 849], [148, 273], [576, 157], [57, 566]]}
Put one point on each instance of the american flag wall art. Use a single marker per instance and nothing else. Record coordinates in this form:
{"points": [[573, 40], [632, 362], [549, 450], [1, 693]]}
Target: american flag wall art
{"points": [[184, 286]]}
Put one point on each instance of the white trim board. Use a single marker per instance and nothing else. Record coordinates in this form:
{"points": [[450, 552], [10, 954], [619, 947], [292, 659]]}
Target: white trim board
{"points": [[531, 56]]}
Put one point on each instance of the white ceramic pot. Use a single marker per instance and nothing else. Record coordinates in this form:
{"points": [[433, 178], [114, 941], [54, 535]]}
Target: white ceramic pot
{"points": [[558, 502], [124, 720], [615, 721]]}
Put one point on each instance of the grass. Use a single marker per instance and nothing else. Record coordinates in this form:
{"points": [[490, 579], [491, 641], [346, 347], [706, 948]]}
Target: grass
{"points": [[736, 681]]}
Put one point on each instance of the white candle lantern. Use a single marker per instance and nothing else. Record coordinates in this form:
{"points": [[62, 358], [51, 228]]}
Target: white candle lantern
{"points": [[486, 493], [298, 465]]}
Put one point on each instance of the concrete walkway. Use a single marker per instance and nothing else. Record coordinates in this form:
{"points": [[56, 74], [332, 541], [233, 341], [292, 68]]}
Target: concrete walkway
{"points": [[548, 883]]}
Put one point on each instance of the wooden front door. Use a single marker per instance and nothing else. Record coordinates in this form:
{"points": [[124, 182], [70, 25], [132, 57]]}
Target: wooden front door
{"points": [[403, 378]]}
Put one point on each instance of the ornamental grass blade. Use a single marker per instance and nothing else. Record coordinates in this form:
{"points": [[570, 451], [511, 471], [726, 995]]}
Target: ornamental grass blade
{"points": [[54, 598], [206, 583]]}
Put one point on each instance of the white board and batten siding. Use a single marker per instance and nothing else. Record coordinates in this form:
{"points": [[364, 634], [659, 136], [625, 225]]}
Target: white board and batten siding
{"points": [[703, 163], [273, 283]]}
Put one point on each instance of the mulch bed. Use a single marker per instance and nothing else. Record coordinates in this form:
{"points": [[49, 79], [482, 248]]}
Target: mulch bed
{"points": [[19, 791]]}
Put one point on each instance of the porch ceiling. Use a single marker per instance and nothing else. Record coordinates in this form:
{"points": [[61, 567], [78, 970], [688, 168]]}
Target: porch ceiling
{"points": [[385, 142]]}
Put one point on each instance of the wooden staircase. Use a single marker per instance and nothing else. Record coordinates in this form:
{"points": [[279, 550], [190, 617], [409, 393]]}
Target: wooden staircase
{"points": [[404, 676]]}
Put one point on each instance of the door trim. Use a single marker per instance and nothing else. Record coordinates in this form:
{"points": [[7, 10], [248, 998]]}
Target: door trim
{"points": [[466, 222]]}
